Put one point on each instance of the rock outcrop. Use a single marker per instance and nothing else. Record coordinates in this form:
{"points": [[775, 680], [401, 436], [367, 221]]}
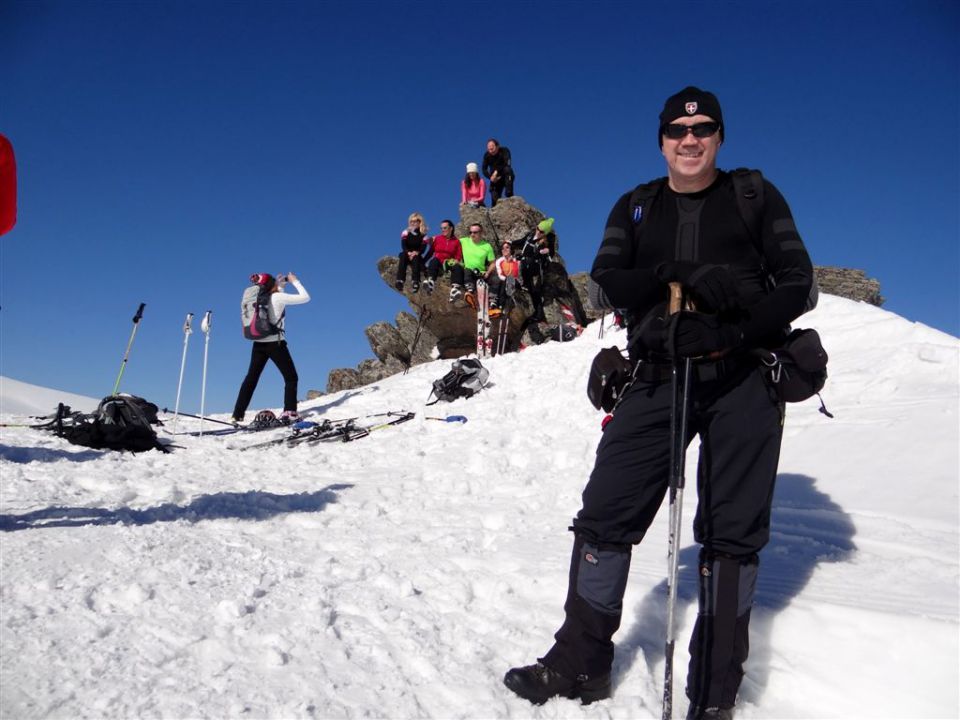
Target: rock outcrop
{"points": [[849, 283], [448, 330]]}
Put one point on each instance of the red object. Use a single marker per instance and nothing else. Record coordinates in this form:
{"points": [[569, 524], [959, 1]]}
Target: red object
{"points": [[8, 186], [606, 419]]}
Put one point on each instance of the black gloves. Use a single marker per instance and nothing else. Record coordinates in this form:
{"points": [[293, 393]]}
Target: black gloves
{"points": [[693, 335], [713, 286]]}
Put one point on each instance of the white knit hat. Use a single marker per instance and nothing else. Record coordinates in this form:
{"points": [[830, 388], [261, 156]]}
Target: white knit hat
{"points": [[472, 167]]}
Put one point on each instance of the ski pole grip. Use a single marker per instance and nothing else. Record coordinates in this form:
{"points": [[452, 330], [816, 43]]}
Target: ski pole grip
{"points": [[676, 297], [136, 318]]}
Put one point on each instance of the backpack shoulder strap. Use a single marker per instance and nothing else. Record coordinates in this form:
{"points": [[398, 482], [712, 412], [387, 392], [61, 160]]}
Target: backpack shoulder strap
{"points": [[641, 196], [748, 188]]}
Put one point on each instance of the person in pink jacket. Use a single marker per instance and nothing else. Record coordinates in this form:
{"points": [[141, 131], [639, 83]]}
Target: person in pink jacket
{"points": [[473, 188], [447, 257]]}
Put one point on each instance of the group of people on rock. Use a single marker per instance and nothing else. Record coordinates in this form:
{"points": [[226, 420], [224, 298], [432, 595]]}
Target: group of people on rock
{"points": [[498, 171], [471, 259]]}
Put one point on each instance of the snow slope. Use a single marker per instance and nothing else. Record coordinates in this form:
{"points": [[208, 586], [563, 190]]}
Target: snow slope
{"points": [[20, 398], [401, 575]]}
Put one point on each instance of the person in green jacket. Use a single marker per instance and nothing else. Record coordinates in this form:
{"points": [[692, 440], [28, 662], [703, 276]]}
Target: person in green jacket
{"points": [[478, 257]]}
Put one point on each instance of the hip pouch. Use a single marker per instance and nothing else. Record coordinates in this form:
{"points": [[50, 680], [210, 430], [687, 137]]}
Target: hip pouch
{"points": [[797, 369]]}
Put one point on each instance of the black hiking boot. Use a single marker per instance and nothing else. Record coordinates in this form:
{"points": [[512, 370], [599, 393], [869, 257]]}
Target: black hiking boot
{"points": [[538, 683], [711, 713]]}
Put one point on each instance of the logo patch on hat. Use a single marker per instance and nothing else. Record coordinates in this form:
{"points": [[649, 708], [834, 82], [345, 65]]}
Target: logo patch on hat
{"points": [[691, 108]]}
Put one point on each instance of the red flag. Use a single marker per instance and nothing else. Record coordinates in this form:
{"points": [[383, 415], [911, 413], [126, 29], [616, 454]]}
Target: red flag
{"points": [[8, 186]]}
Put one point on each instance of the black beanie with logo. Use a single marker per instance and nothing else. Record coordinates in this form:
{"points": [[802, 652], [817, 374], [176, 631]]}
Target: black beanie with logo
{"points": [[689, 101]]}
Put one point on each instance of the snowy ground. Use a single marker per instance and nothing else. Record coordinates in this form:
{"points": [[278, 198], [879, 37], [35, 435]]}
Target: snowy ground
{"points": [[401, 575]]}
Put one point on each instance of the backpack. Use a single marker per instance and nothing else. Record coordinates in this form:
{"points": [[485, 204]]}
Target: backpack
{"points": [[465, 379], [255, 313], [748, 189], [121, 422]]}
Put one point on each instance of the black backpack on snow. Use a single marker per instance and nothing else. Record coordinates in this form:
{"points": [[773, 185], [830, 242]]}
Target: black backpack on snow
{"points": [[465, 379], [121, 422]]}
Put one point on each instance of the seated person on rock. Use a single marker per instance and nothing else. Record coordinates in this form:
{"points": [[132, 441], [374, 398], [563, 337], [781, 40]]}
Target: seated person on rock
{"points": [[473, 188], [535, 251], [447, 257], [504, 281], [413, 247], [478, 257]]}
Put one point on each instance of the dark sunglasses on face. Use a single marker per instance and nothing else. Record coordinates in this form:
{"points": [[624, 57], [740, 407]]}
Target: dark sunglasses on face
{"points": [[474, 232], [676, 131]]}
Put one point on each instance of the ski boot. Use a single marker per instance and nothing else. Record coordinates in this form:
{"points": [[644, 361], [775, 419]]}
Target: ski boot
{"points": [[428, 285], [538, 683], [399, 285]]}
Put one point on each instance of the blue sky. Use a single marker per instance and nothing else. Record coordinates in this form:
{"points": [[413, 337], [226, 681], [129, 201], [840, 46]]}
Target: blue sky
{"points": [[167, 150]]}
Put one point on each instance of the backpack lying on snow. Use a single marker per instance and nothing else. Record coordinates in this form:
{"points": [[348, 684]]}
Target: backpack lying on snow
{"points": [[121, 422], [465, 379]]}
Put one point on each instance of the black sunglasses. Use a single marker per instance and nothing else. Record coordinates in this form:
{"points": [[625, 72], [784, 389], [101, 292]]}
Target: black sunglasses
{"points": [[676, 131]]}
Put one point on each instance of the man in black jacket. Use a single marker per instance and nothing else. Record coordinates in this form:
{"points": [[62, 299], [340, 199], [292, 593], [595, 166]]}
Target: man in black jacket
{"points": [[498, 170], [746, 289]]}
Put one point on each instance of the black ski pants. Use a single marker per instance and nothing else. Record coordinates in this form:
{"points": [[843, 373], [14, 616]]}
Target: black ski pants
{"points": [[740, 421], [416, 266], [259, 354], [435, 267], [503, 187]]}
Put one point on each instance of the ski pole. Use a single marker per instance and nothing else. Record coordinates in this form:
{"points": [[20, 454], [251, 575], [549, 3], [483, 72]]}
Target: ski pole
{"points": [[126, 354], [449, 418], [678, 436], [198, 417], [205, 327], [424, 314], [187, 330]]}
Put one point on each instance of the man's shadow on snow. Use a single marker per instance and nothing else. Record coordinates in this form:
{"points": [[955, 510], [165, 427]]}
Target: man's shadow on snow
{"points": [[251, 505], [807, 529]]}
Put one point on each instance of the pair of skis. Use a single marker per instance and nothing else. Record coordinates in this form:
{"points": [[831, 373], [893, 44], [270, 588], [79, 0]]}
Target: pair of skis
{"points": [[484, 341], [346, 430]]}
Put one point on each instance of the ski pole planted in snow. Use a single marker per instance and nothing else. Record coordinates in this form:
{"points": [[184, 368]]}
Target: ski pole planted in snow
{"points": [[126, 354], [187, 330], [205, 327], [678, 446]]}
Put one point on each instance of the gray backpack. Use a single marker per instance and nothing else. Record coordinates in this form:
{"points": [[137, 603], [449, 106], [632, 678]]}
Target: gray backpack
{"points": [[255, 313]]}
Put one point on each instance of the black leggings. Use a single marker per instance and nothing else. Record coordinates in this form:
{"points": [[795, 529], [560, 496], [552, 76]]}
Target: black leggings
{"points": [[260, 353]]}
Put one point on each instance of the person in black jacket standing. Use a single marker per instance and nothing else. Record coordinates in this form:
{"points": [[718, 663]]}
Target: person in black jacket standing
{"points": [[690, 231], [498, 170]]}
